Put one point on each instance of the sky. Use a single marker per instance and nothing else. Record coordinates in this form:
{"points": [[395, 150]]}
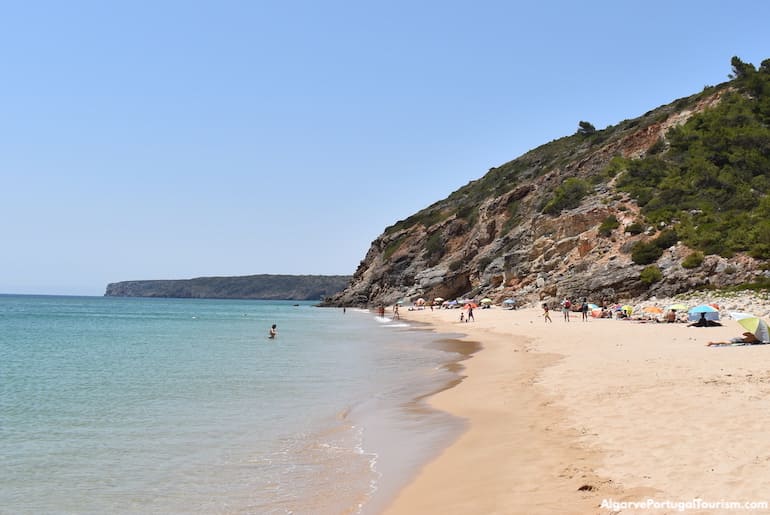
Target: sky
{"points": [[178, 139]]}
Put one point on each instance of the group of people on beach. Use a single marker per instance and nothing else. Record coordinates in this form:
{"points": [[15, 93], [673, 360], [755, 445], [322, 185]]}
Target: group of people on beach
{"points": [[566, 309]]}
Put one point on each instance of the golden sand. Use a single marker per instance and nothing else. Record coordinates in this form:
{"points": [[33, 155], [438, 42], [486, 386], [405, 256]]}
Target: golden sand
{"points": [[566, 416]]}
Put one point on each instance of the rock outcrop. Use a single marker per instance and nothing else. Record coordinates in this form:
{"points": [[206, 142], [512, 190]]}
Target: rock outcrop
{"points": [[493, 238]]}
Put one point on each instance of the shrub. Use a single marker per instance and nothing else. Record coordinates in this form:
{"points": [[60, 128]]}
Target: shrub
{"points": [[666, 239], [484, 263], [434, 246], [393, 247], [651, 274], [694, 260], [634, 228], [644, 253], [608, 225], [566, 196]]}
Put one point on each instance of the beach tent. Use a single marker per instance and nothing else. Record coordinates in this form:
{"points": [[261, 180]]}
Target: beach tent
{"points": [[694, 314], [757, 326]]}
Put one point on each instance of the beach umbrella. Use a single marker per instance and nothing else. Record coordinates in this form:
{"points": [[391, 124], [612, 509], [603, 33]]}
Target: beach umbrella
{"points": [[757, 326], [628, 309], [438, 299], [677, 307], [420, 301], [736, 315], [486, 301], [653, 309], [509, 301], [592, 306], [470, 305], [695, 313]]}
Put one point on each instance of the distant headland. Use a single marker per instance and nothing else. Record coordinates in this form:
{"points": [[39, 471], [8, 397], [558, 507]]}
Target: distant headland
{"points": [[265, 287]]}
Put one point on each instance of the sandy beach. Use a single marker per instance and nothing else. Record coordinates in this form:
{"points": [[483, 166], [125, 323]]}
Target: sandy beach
{"points": [[592, 417]]}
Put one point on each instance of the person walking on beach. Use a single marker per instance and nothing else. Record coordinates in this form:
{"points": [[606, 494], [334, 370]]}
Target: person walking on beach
{"points": [[565, 307], [584, 309], [470, 314], [273, 332], [546, 315], [395, 313]]}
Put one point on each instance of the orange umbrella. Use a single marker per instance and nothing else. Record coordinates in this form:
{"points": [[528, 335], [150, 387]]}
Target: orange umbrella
{"points": [[653, 309], [470, 305]]}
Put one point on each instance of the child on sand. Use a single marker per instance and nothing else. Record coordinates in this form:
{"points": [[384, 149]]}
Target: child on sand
{"points": [[546, 315]]}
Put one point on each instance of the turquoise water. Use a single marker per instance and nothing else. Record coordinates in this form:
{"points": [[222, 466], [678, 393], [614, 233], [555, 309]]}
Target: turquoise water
{"points": [[184, 406]]}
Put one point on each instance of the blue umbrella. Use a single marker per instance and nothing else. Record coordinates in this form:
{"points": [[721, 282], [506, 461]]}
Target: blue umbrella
{"points": [[710, 312]]}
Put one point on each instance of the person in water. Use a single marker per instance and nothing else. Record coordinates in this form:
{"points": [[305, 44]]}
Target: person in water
{"points": [[273, 332]]}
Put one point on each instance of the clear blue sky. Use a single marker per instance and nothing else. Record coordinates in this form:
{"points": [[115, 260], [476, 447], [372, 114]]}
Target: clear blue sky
{"points": [[177, 139]]}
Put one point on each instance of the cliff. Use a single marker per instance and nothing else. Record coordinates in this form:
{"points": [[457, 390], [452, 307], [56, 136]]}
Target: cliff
{"points": [[671, 201], [267, 287]]}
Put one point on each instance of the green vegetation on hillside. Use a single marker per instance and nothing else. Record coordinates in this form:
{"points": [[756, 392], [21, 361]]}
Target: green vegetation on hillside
{"points": [[712, 182], [568, 195]]}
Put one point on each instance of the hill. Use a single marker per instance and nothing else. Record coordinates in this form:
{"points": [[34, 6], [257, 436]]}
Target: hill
{"points": [[267, 287], [674, 200]]}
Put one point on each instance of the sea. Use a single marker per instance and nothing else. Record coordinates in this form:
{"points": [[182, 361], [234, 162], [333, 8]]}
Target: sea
{"points": [[140, 405]]}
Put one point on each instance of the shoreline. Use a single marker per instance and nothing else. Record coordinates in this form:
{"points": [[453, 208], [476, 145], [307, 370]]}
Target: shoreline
{"points": [[564, 416], [512, 432]]}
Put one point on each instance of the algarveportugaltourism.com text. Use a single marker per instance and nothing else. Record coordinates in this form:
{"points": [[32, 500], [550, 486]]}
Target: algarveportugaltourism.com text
{"points": [[694, 504]]}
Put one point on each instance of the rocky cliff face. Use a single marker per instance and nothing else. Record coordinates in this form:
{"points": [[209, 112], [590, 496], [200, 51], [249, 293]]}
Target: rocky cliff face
{"points": [[492, 239]]}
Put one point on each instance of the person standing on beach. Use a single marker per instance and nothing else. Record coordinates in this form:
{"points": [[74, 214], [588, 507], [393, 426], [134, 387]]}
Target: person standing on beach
{"points": [[273, 332], [546, 314], [470, 314], [584, 309], [565, 307], [395, 313]]}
